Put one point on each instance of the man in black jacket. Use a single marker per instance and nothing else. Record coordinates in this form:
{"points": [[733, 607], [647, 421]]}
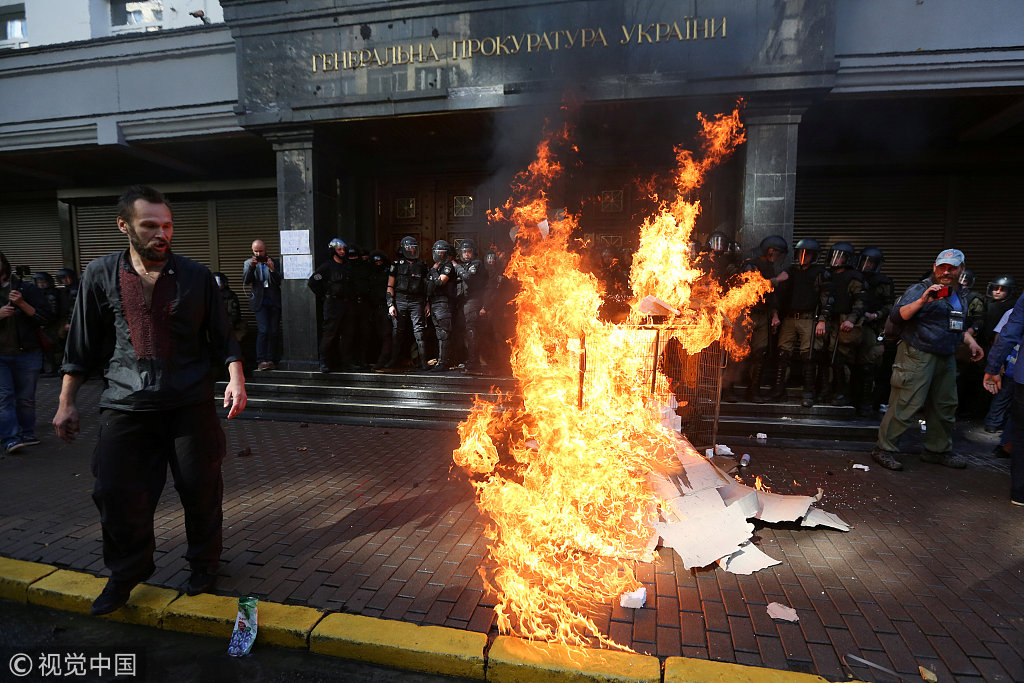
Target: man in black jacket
{"points": [[153, 323]]}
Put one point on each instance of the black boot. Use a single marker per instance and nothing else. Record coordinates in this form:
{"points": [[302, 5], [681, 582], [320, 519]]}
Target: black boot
{"points": [[778, 393], [807, 398], [754, 394]]}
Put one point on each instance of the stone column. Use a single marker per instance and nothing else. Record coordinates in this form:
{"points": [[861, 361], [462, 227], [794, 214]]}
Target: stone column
{"points": [[769, 175], [306, 202]]}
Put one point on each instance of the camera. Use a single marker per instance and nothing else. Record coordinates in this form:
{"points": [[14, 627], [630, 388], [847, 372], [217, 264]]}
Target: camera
{"points": [[942, 292], [262, 259]]}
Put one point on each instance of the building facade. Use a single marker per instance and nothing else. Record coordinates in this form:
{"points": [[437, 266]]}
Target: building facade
{"points": [[893, 123]]}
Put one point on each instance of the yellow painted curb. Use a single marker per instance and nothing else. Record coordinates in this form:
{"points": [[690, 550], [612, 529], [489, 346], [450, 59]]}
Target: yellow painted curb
{"points": [[66, 590], [285, 625], [204, 614], [145, 606], [687, 670], [17, 575], [431, 649], [514, 660]]}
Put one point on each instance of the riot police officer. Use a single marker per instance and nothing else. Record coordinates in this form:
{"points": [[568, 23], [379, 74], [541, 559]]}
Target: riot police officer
{"points": [[878, 298], [498, 316], [407, 300], [718, 260], [761, 321], [381, 322], [335, 282], [614, 275], [805, 304], [473, 276], [441, 294], [846, 284]]}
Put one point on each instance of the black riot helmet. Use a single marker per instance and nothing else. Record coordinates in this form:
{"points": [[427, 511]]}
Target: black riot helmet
{"points": [[717, 242], [774, 247], [335, 244], [66, 276], [492, 258], [440, 251], [966, 278], [470, 246], [222, 280], [43, 280], [806, 251], [354, 251], [379, 259], [409, 247], [841, 255], [870, 260], [1003, 283]]}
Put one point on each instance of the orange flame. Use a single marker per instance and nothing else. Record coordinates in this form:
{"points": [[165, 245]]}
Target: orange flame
{"points": [[562, 478]]}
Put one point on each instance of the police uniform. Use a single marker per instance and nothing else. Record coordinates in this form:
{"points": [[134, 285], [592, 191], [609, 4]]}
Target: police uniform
{"points": [[473, 277], [847, 287], [381, 322], [877, 300], [441, 296], [336, 283], [804, 301], [410, 301]]}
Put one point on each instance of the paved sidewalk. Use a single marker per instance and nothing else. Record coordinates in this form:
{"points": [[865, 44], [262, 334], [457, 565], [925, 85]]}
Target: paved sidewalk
{"points": [[376, 522]]}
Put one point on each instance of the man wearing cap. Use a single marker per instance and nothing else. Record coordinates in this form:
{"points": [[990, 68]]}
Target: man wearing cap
{"points": [[930, 317]]}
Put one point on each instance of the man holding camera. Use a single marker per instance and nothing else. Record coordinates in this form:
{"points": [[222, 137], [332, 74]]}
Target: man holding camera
{"points": [[930, 318], [262, 276]]}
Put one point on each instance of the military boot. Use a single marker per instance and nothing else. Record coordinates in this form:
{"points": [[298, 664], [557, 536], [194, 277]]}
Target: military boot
{"points": [[778, 391], [807, 397]]}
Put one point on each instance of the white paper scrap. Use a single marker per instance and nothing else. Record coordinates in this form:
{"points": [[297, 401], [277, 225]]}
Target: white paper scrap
{"points": [[816, 517], [723, 450], [858, 466], [695, 546], [776, 507], [747, 560], [776, 610], [710, 452], [634, 599]]}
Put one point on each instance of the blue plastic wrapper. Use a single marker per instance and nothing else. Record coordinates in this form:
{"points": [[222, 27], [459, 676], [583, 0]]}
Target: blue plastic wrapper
{"points": [[244, 634]]}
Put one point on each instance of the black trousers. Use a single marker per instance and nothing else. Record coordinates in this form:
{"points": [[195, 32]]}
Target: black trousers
{"points": [[130, 465], [339, 331]]}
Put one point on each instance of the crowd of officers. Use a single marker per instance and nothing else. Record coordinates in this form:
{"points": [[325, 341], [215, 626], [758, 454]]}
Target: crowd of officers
{"points": [[823, 325], [386, 314]]}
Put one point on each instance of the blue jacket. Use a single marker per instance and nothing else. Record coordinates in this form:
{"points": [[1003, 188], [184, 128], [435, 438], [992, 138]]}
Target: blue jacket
{"points": [[929, 329], [1009, 336]]}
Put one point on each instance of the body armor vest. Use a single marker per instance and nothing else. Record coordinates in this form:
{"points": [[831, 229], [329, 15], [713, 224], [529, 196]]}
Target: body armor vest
{"points": [[803, 285], [410, 277], [841, 286]]}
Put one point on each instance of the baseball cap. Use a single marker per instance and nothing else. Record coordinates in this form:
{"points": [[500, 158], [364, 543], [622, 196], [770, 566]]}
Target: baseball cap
{"points": [[953, 257]]}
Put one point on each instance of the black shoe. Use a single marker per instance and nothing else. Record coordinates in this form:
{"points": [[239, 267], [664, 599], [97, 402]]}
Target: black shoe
{"points": [[325, 368], [1000, 451], [807, 402], [114, 596], [992, 430], [201, 581], [946, 459], [886, 459], [730, 396]]}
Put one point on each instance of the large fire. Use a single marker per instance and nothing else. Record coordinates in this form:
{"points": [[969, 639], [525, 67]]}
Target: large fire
{"points": [[563, 478]]}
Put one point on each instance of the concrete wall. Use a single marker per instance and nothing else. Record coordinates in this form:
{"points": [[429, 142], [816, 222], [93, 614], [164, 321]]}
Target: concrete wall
{"points": [[139, 86], [50, 22]]}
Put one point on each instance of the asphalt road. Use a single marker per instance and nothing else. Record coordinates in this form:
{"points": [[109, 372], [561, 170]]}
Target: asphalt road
{"points": [[160, 655]]}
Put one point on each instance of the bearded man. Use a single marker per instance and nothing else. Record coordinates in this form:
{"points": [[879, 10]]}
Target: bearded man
{"points": [[930, 320], [153, 323]]}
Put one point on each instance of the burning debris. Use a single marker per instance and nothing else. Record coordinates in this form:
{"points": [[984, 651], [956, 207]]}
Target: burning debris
{"points": [[580, 485]]}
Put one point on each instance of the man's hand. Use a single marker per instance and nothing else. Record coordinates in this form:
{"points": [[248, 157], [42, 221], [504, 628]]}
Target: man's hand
{"points": [[426, 310], [775, 321], [845, 326], [270, 264], [977, 353], [782, 277], [234, 392], [65, 422], [392, 311], [254, 261], [992, 383], [819, 329], [7, 311], [16, 298]]}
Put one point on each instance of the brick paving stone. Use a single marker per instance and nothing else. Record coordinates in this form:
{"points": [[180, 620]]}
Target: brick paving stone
{"points": [[742, 631], [720, 647], [794, 643], [689, 598], [924, 619], [667, 611], [773, 654], [916, 640], [862, 632], [1009, 658], [899, 654], [438, 613], [953, 655], [825, 661], [669, 642], [715, 616], [645, 624], [762, 624], [812, 628], [692, 629], [620, 631]]}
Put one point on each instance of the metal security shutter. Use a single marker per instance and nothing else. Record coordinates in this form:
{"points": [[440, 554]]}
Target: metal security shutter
{"points": [[30, 235], [239, 222], [904, 216], [96, 229], [989, 226], [192, 230]]}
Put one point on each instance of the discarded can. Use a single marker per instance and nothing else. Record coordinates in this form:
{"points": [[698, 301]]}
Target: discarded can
{"points": [[244, 634], [745, 460]]}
